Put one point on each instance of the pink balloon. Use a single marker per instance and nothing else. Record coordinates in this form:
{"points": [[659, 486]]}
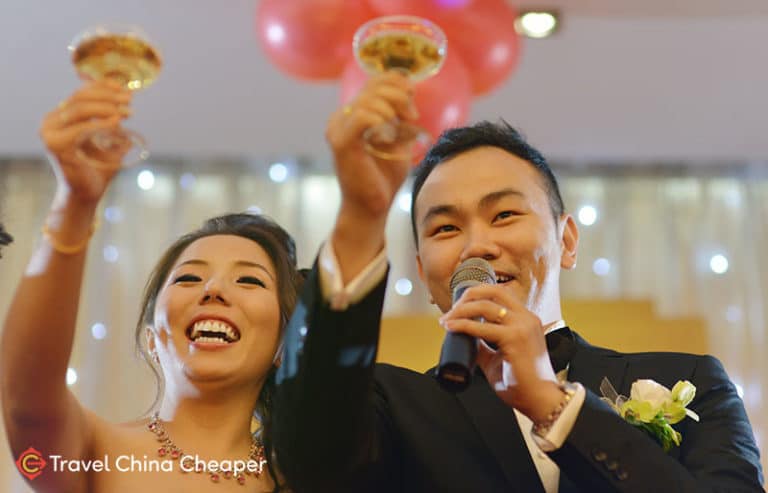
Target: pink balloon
{"points": [[422, 8], [484, 35], [309, 39], [443, 101]]}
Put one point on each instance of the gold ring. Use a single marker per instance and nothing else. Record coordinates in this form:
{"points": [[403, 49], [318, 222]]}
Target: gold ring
{"points": [[502, 313], [346, 109]]}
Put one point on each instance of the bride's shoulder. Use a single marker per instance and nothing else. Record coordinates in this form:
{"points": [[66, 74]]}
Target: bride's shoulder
{"points": [[107, 434]]}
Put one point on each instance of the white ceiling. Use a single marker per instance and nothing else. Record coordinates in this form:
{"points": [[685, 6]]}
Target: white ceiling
{"points": [[639, 80]]}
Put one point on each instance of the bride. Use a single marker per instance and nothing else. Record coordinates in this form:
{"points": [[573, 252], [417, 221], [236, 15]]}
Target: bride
{"points": [[210, 326]]}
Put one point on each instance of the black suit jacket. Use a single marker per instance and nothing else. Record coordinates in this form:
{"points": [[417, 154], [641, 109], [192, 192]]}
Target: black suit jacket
{"points": [[344, 423]]}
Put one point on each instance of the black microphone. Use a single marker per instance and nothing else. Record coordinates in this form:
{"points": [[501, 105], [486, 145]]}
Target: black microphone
{"points": [[459, 351]]}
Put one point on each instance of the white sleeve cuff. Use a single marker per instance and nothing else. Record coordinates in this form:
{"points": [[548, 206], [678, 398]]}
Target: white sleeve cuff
{"points": [[561, 428], [332, 284]]}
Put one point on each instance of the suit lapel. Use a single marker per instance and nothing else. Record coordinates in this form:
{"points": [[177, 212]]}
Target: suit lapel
{"points": [[589, 366], [498, 427]]}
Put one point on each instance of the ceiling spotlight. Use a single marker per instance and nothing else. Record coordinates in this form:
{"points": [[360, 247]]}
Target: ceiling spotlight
{"points": [[537, 23]]}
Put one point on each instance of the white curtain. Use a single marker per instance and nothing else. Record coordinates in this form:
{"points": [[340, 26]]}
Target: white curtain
{"points": [[658, 234]]}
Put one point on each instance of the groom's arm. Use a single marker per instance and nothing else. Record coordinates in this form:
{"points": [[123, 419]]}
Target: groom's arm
{"points": [[328, 416], [327, 420]]}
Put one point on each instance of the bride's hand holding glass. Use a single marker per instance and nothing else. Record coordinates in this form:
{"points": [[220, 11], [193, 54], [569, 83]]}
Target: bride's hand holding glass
{"points": [[123, 55], [97, 106]]}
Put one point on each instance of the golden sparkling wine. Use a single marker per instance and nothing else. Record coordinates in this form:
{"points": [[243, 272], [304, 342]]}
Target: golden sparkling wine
{"points": [[412, 52], [126, 59]]}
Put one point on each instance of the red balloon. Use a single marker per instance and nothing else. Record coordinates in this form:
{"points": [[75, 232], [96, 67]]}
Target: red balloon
{"points": [[310, 39], [484, 35], [443, 101], [423, 8]]}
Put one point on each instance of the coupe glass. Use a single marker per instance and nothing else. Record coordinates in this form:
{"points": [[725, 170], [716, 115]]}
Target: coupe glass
{"points": [[413, 45], [123, 54]]}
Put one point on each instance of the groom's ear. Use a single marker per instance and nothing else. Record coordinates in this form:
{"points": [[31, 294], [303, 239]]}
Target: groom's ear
{"points": [[569, 243]]}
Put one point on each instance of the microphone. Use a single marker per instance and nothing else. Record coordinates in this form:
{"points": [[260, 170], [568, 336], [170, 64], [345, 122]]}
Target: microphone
{"points": [[459, 351]]}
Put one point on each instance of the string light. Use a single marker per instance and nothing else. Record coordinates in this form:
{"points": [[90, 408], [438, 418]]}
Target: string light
{"points": [[587, 215], [99, 331], [71, 376], [718, 264], [601, 267], [278, 172], [404, 201], [403, 286], [146, 180]]}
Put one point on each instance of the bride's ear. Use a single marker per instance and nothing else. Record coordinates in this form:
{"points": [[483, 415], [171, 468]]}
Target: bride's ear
{"points": [[149, 334]]}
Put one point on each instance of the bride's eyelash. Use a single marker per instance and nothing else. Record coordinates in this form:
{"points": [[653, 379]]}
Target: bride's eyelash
{"points": [[187, 278], [252, 280]]}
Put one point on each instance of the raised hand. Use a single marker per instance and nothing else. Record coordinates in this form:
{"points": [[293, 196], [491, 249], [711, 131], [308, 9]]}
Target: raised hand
{"points": [[98, 105], [369, 183]]}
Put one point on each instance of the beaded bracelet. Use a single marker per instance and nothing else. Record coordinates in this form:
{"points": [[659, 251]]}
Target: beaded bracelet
{"points": [[67, 249], [569, 390]]}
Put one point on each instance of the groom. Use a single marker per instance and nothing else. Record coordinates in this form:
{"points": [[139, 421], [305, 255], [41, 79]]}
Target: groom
{"points": [[532, 419]]}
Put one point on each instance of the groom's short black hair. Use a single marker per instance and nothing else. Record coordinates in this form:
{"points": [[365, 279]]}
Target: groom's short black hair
{"points": [[502, 135]]}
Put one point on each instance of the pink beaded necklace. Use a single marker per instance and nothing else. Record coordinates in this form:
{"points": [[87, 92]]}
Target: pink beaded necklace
{"points": [[170, 449]]}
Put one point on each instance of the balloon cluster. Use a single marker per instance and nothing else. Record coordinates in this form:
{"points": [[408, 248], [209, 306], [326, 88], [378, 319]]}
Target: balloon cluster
{"points": [[312, 40]]}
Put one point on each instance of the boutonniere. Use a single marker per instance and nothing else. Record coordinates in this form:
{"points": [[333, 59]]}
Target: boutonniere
{"points": [[653, 408]]}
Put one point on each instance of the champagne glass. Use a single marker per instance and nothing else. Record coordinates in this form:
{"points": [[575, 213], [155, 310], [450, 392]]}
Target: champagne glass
{"points": [[124, 54], [411, 44]]}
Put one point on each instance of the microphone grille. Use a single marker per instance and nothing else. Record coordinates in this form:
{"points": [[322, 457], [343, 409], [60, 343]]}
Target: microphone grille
{"points": [[473, 269]]}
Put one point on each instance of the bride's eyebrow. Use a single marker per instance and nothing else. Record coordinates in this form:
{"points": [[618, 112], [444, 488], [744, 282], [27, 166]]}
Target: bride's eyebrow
{"points": [[246, 263], [239, 263]]}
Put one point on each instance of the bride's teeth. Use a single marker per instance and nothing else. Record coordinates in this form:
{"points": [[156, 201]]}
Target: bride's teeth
{"points": [[227, 333]]}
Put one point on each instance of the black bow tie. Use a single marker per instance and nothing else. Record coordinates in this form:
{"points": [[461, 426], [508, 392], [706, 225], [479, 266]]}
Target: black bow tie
{"points": [[561, 345]]}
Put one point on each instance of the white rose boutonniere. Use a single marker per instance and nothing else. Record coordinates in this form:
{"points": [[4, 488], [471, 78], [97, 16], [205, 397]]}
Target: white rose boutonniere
{"points": [[653, 408]]}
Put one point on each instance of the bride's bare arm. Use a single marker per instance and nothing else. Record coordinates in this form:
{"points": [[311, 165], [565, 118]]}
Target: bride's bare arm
{"points": [[38, 409]]}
